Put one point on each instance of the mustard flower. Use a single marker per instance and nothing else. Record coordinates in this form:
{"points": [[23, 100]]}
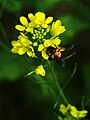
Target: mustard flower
{"points": [[39, 20], [37, 34], [72, 111], [23, 45], [76, 113], [57, 29], [25, 25], [40, 70], [63, 109], [52, 42]]}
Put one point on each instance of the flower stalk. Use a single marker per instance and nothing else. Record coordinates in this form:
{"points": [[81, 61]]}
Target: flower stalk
{"points": [[57, 84]]}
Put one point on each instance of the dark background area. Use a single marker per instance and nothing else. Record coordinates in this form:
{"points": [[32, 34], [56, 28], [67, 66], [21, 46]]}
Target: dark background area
{"points": [[22, 98]]}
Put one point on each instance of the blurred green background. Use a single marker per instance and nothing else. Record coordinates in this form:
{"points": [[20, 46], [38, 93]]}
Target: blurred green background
{"points": [[23, 98]]}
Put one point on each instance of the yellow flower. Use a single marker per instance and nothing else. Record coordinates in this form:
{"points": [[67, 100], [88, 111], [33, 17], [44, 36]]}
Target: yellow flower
{"points": [[57, 29], [77, 114], [56, 41], [25, 25], [17, 47], [73, 111], [47, 43], [63, 109], [30, 53], [40, 47], [52, 42], [44, 55], [39, 19], [43, 50], [40, 70], [22, 46]]}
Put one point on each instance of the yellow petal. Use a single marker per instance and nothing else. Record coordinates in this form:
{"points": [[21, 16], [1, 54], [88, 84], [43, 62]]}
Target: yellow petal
{"points": [[73, 108], [20, 27], [29, 53], [25, 42], [53, 25], [40, 16], [83, 113], [44, 25], [49, 20], [61, 30], [31, 17], [74, 114], [32, 24], [21, 51], [40, 70], [77, 114], [37, 22], [32, 49], [57, 23], [56, 41], [29, 29], [40, 47], [47, 43], [33, 55], [14, 50], [13, 43], [16, 43], [22, 35], [44, 55], [63, 109], [23, 20]]}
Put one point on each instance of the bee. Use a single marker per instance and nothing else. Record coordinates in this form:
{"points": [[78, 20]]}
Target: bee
{"points": [[54, 53]]}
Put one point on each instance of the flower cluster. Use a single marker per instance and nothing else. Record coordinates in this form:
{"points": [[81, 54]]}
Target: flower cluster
{"points": [[36, 34], [71, 113]]}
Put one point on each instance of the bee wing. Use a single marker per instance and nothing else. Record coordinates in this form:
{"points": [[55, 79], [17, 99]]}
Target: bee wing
{"points": [[69, 46]]}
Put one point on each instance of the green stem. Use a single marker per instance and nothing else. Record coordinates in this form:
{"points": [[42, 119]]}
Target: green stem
{"points": [[29, 73], [67, 82], [73, 73], [69, 56], [57, 84]]}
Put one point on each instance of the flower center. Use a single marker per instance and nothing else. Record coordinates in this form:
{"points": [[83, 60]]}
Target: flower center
{"points": [[39, 35]]}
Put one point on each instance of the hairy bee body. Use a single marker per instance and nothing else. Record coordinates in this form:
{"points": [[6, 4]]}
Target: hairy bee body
{"points": [[54, 53]]}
